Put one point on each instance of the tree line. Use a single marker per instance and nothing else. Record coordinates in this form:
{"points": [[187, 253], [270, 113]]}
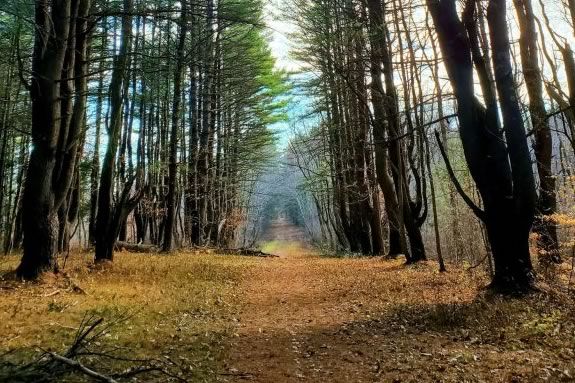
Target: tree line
{"points": [[152, 113], [150, 121], [393, 81]]}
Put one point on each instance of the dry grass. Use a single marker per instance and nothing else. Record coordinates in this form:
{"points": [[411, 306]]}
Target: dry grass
{"points": [[181, 306], [302, 317]]}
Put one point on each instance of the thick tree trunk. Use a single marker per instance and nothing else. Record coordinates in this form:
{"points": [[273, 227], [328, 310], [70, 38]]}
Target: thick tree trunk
{"points": [[501, 168], [513, 269], [40, 210], [58, 107]]}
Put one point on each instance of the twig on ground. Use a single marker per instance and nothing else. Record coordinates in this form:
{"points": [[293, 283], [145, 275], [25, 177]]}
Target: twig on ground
{"points": [[52, 366], [56, 292], [79, 366]]}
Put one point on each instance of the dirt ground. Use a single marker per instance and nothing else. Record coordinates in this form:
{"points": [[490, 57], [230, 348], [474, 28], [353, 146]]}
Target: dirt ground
{"points": [[302, 317], [311, 319], [308, 319]]}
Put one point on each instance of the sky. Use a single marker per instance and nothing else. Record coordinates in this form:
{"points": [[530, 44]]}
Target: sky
{"points": [[280, 45], [280, 29]]}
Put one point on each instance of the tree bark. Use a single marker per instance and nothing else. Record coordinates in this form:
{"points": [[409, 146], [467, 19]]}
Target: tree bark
{"points": [[173, 158], [57, 112], [547, 202], [105, 223], [500, 168], [377, 38]]}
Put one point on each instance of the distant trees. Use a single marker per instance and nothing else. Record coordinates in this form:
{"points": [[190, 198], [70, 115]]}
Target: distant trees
{"points": [[380, 87], [371, 146], [337, 39]]}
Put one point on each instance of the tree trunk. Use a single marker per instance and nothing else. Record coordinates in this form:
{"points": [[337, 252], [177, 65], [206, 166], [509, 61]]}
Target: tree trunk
{"points": [[55, 136], [173, 160], [547, 203], [106, 232], [501, 168], [397, 241]]}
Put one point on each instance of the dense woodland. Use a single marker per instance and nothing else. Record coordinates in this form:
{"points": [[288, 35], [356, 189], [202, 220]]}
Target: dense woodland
{"points": [[152, 114], [287, 191], [394, 81], [434, 130]]}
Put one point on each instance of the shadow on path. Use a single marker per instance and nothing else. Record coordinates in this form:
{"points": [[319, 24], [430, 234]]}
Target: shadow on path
{"points": [[306, 318]]}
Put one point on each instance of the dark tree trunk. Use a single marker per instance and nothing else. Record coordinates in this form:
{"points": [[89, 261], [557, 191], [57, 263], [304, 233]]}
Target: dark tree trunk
{"points": [[377, 38], [107, 227], [55, 136], [173, 160], [500, 168], [95, 168], [511, 272]]}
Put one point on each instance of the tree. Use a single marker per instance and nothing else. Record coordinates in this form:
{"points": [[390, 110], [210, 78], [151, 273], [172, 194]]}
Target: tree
{"points": [[173, 171], [57, 91], [111, 215], [500, 167], [547, 202]]}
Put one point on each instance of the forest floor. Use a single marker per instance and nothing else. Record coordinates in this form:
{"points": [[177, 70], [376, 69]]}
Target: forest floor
{"points": [[301, 317], [306, 318]]}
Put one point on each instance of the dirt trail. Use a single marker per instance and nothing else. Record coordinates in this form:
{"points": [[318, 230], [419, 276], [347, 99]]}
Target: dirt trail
{"points": [[285, 239], [313, 319]]}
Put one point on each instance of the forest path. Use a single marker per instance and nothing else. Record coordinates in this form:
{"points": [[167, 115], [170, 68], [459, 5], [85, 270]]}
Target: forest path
{"points": [[306, 318], [284, 239]]}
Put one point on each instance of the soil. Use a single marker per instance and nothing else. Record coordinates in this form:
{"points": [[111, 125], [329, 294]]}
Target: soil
{"points": [[307, 318]]}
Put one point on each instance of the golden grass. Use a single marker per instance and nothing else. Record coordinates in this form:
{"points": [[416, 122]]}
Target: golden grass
{"points": [[180, 305], [216, 313]]}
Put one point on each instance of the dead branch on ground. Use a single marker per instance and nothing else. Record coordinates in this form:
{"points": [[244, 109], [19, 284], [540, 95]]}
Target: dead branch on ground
{"points": [[88, 356]]}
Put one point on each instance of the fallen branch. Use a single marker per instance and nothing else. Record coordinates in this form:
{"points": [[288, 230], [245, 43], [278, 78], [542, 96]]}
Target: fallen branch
{"points": [[52, 294], [86, 347], [81, 335], [246, 252], [136, 247], [80, 367]]}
